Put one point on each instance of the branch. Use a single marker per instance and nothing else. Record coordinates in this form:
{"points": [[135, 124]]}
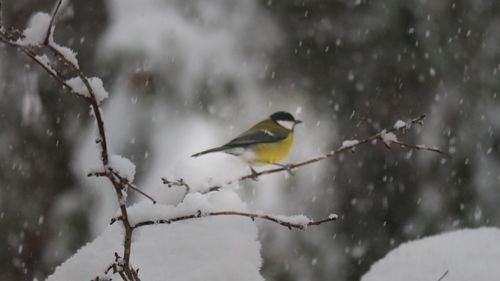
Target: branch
{"points": [[443, 276], [346, 146], [279, 220], [119, 183], [93, 102], [125, 181], [132, 186], [1, 15], [117, 267], [52, 19], [421, 147]]}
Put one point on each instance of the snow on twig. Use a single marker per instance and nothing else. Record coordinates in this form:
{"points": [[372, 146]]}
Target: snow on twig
{"points": [[387, 135], [297, 222], [38, 36]]}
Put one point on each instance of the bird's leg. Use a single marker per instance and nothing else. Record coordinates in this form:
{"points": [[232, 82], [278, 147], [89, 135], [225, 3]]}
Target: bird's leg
{"points": [[255, 175], [287, 167]]}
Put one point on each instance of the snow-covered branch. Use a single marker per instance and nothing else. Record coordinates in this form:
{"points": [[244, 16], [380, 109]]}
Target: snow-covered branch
{"points": [[386, 136], [297, 222], [37, 43], [38, 37]]}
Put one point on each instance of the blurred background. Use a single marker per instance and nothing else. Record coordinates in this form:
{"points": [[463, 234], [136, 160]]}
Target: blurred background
{"points": [[187, 75]]}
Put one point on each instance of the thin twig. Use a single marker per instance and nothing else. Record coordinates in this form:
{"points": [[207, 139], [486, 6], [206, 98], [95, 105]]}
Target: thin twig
{"points": [[117, 181], [343, 148], [52, 19], [118, 184], [332, 153], [1, 15], [57, 75], [253, 216], [444, 275], [421, 147], [179, 182], [124, 180], [133, 186], [93, 102]]}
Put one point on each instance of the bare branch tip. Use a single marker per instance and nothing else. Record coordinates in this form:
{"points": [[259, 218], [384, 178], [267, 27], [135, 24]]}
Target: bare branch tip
{"points": [[50, 28]]}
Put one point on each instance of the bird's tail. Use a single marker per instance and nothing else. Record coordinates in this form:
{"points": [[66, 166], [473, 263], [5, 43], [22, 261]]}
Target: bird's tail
{"points": [[217, 149]]}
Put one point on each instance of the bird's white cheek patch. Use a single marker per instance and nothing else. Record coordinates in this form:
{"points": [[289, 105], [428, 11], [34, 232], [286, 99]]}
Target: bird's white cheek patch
{"points": [[287, 124]]}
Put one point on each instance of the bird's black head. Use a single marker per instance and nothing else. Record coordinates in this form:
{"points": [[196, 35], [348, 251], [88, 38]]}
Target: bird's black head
{"points": [[282, 116], [285, 119]]}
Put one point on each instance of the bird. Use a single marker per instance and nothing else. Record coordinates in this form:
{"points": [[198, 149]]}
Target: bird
{"points": [[267, 142]]}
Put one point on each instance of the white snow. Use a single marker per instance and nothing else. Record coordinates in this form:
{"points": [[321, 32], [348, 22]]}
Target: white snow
{"points": [[388, 138], [208, 248], [122, 166], [210, 170], [36, 31], [298, 219], [43, 59], [68, 53], [349, 143], [400, 124], [79, 87], [333, 216], [468, 254]]}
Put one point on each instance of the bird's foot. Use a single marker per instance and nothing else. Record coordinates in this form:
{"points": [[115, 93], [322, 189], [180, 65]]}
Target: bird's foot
{"points": [[287, 167], [255, 175]]}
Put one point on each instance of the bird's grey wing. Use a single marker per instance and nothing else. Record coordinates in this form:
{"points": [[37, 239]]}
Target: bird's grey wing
{"points": [[260, 136]]}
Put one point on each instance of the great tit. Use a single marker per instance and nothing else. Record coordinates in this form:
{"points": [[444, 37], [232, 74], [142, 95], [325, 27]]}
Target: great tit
{"points": [[267, 142]]}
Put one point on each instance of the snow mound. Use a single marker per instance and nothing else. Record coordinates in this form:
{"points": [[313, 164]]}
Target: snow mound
{"points": [[463, 255], [209, 248]]}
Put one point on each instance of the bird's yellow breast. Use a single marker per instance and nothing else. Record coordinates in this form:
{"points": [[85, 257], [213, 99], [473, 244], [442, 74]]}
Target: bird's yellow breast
{"points": [[266, 153]]}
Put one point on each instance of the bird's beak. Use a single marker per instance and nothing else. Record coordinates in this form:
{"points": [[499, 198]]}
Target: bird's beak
{"points": [[296, 122]]}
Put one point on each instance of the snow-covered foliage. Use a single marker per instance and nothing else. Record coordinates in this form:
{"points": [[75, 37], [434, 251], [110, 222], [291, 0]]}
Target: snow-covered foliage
{"points": [[462, 255]]}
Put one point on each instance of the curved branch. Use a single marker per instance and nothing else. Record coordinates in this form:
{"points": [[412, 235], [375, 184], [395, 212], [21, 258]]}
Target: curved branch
{"points": [[52, 19], [93, 103], [279, 220], [343, 148], [116, 180], [347, 146]]}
